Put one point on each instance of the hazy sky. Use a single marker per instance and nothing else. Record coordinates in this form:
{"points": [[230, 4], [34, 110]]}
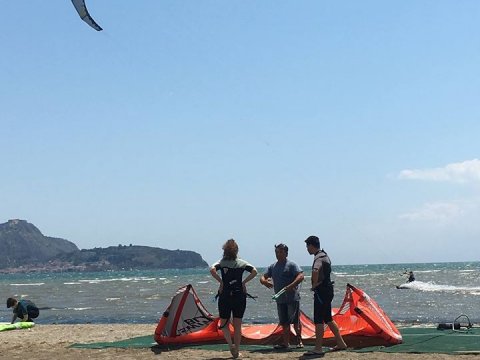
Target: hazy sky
{"points": [[185, 123]]}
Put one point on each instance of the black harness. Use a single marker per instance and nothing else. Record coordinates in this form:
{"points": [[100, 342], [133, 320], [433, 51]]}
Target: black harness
{"points": [[326, 270]]}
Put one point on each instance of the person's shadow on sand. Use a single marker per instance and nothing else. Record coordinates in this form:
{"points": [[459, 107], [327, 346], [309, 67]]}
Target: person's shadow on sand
{"points": [[158, 350]]}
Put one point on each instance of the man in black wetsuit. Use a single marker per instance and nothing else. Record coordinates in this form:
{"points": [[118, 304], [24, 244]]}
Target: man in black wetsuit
{"points": [[322, 287]]}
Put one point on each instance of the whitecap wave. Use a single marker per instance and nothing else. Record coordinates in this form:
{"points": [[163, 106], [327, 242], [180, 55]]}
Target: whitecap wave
{"points": [[430, 286], [124, 279], [30, 284], [357, 275]]}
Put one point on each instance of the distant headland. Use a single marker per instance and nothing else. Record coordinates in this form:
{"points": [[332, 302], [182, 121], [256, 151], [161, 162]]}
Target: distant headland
{"points": [[24, 248]]}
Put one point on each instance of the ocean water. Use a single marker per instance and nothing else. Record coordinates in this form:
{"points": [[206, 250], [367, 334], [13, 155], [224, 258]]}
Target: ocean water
{"points": [[441, 292]]}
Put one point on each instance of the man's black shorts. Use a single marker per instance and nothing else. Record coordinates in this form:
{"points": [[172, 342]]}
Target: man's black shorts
{"points": [[322, 305], [228, 305], [33, 312], [288, 313]]}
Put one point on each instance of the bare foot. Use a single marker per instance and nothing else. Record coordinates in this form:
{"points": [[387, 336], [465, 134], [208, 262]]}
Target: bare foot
{"points": [[234, 352]]}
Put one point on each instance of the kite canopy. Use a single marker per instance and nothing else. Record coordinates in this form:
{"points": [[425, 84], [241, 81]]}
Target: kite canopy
{"points": [[360, 320], [84, 15], [15, 326]]}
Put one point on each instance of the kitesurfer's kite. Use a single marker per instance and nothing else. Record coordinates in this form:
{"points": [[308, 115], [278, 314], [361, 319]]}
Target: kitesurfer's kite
{"points": [[361, 322], [84, 15]]}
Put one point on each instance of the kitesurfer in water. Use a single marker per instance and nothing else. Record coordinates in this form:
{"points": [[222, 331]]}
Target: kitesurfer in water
{"points": [[23, 309], [411, 277], [232, 292], [322, 286], [285, 275]]}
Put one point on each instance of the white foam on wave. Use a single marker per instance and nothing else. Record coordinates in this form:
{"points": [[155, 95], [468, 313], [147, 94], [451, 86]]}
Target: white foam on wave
{"points": [[136, 279], [30, 284], [125, 279], [430, 286], [357, 275], [80, 308], [427, 271], [112, 299]]}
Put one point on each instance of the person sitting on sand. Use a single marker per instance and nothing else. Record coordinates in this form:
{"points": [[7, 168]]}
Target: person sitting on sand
{"points": [[23, 309], [232, 292]]}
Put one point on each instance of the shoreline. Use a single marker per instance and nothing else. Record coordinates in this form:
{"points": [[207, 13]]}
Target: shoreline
{"points": [[45, 342]]}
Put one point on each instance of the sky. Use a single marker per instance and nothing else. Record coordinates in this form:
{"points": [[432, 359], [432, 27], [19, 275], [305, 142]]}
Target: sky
{"points": [[185, 123]]}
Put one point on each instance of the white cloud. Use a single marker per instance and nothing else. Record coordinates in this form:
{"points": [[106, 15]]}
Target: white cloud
{"points": [[461, 172], [440, 212]]}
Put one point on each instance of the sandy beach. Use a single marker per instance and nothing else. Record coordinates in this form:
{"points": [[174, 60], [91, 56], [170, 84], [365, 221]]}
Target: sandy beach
{"points": [[52, 342]]}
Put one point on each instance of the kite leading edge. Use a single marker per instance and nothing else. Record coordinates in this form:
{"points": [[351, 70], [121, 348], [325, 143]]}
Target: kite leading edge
{"points": [[84, 15]]}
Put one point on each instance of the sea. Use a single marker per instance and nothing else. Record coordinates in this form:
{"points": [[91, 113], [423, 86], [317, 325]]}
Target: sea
{"points": [[441, 293]]}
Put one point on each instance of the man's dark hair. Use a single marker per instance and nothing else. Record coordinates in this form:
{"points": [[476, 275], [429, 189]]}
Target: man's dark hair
{"points": [[282, 246], [11, 302], [313, 240]]}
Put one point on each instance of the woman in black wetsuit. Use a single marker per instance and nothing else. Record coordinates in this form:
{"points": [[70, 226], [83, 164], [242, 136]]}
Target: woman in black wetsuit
{"points": [[232, 292]]}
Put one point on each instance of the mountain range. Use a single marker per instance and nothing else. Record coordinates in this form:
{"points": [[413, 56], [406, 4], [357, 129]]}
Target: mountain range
{"points": [[24, 248]]}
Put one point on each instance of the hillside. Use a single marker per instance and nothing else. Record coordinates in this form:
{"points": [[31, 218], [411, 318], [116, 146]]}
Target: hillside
{"points": [[25, 248], [133, 257], [22, 243]]}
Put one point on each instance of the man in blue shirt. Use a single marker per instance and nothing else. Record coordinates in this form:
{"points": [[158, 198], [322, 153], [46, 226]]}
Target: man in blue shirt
{"points": [[285, 275]]}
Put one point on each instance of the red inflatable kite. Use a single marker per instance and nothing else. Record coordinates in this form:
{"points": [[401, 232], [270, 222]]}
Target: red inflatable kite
{"points": [[360, 320]]}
